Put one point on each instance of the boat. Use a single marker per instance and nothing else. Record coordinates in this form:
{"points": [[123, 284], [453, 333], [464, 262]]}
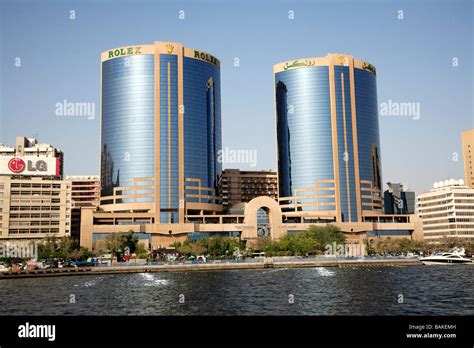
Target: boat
{"points": [[454, 256]]}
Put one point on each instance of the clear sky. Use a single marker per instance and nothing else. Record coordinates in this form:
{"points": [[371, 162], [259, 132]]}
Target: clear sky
{"points": [[59, 60]]}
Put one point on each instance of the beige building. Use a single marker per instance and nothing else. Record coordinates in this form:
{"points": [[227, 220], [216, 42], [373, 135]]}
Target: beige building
{"points": [[34, 200], [262, 216], [236, 186], [467, 138], [447, 210], [32, 208], [85, 192]]}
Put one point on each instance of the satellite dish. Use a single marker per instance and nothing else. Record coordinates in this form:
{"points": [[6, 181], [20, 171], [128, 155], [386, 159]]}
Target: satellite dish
{"points": [[435, 185], [453, 182], [461, 182]]}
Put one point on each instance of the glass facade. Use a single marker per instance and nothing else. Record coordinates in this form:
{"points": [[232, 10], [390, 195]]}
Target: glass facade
{"points": [[263, 222], [368, 130], [345, 143], [169, 195], [304, 133], [305, 143], [127, 125], [202, 124]]}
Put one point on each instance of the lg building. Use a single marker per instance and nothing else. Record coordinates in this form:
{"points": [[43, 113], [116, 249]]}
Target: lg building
{"points": [[35, 201]]}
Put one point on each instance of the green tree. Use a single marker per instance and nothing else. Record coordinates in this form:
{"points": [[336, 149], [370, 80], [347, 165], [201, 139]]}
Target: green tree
{"points": [[65, 248], [217, 246], [176, 245], [192, 249], [324, 235], [140, 250], [69, 248], [130, 240], [47, 249], [262, 244], [114, 243], [86, 253]]}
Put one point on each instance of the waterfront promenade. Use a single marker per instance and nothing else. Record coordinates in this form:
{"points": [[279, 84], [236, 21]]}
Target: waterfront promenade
{"points": [[212, 266]]}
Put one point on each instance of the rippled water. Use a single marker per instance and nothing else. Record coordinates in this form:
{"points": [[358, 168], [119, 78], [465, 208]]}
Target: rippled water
{"points": [[429, 290]]}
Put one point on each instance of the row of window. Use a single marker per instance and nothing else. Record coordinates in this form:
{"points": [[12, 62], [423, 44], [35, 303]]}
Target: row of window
{"points": [[33, 215], [34, 223], [35, 193], [449, 195], [29, 185], [446, 227], [34, 230], [438, 203], [40, 208], [450, 220], [451, 233], [29, 201], [432, 198]]}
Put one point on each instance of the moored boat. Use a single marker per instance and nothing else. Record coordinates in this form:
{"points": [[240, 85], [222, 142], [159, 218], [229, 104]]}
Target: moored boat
{"points": [[455, 256]]}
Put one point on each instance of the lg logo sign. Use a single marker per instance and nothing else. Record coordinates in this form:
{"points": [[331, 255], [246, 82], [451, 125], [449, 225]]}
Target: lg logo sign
{"points": [[17, 165]]}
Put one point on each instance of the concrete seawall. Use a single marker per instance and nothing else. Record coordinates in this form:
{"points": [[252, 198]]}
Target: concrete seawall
{"points": [[55, 272]]}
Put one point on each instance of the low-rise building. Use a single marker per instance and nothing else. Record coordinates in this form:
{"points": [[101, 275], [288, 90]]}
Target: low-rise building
{"points": [[447, 210], [261, 217]]}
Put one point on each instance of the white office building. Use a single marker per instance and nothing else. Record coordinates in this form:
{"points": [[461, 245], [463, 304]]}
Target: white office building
{"points": [[447, 210]]}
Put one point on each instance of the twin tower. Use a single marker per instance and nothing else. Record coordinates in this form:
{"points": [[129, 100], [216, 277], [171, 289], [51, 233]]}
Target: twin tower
{"points": [[161, 134]]}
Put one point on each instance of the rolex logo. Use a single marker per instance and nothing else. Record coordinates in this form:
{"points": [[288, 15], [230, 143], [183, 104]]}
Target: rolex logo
{"points": [[343, 60], [169, 48]]}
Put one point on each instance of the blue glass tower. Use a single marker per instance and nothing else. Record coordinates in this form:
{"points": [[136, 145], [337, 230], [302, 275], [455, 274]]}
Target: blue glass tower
{"points": [[160, 130], [328, 137]]}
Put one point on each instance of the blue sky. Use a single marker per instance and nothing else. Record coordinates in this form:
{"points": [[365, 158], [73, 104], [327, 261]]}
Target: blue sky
{"points": [[413, 57]]}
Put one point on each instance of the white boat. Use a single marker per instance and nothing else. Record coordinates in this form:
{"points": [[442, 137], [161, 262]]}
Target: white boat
{"points": [[455, 256]]}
